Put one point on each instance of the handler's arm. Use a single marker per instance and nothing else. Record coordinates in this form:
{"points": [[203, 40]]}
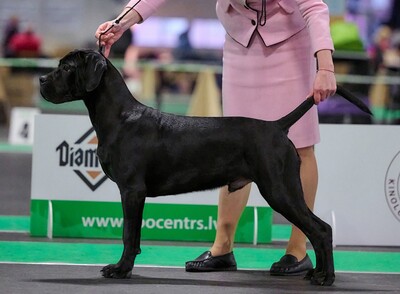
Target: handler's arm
{"points": [[316, 14], [142, 10]]}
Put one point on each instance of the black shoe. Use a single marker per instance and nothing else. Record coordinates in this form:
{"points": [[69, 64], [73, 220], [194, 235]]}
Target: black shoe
{"points": [[208, 263], [288, 265]]}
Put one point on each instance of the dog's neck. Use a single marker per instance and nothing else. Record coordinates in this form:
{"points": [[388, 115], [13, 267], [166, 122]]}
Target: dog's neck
{"points": [[106, 108]]}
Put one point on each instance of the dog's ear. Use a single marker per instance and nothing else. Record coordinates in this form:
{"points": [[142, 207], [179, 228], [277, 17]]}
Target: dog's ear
{"points": [[95, 66]]}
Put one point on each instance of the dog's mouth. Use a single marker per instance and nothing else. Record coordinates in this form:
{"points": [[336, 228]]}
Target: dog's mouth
{"points": [[43, 93], [55, 99], [46, 92]]}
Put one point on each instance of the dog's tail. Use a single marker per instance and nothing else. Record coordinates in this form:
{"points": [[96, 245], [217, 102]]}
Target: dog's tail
{"points": [[287, 121]]}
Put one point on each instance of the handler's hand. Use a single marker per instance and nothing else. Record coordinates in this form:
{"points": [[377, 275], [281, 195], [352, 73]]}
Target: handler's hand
{"points": [[109, 38], [324, 85], [129, 17]]}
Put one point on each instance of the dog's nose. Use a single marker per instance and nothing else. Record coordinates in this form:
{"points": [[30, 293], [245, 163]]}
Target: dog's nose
{"points": [[42, 79]]}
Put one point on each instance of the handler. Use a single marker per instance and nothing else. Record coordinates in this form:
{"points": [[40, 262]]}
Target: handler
{"points": [[276, 53]]}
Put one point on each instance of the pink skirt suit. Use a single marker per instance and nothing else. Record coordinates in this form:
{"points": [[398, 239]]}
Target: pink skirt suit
{"points": [[269, 58]]}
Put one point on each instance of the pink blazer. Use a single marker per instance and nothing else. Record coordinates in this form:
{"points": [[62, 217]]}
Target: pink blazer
{"points": [[284, 19]]}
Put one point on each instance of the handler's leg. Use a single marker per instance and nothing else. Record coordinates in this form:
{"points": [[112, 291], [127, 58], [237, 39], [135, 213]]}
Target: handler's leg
{"points": [[230, 208], [220, 257]]}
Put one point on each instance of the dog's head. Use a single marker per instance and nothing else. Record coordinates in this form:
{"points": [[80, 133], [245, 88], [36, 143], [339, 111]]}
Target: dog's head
{"points": [[78, 73]]}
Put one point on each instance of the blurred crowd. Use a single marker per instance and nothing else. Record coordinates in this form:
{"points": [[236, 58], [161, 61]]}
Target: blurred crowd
{"points": [[376, 22], [19, 42], [385, 43]]}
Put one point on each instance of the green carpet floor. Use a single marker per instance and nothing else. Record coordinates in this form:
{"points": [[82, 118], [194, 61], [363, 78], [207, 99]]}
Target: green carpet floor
{"points": [[9, 148], [175, 256], [249, 257], [14, 223]]}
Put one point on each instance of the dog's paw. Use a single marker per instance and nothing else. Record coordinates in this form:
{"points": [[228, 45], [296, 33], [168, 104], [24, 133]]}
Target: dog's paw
{"points": [[114, 271], [309, 274], [320, 278]]}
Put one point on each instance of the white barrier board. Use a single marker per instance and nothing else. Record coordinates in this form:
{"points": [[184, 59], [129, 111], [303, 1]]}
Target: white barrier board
{"points": [[359, 169], [72, 197], [65, 166]]}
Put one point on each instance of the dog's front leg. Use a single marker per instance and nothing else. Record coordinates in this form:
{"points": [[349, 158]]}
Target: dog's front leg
{"points": [[132, 205]]}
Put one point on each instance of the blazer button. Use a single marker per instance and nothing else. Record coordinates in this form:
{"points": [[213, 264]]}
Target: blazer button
{"points": [[253, 22]]}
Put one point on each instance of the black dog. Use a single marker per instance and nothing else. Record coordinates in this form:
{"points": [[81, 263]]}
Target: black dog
{"points": [[148, 153]]}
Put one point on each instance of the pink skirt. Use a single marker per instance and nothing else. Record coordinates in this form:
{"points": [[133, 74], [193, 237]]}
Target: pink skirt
{"points": [[268, 82]]}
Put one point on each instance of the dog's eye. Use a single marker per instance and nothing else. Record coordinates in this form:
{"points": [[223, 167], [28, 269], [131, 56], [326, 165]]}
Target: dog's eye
{"points": [[66, 67]]}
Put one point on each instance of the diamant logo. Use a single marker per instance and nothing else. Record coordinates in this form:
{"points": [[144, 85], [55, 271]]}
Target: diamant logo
{"points": [[81, 157], [392, 186]]}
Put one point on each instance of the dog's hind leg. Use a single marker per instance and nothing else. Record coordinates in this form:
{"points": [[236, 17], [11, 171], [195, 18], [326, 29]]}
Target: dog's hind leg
{"points": [[283, 192], [318, 232], [132, 204]]}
